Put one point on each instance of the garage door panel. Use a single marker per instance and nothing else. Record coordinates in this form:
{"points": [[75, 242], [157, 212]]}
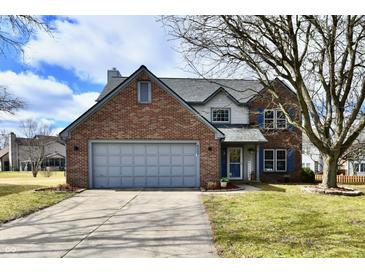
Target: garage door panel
{"points": [[126, 149], [152, 149], [177, 171], [139, 149], [138, 165], [101, 149], [114, 171], [151, 160], [101, 171], [139, 171], [114, 149], [152, 171], [127, 160], [100, 160], [139, 160], [188, 149], [127, 171], [188, 160], [164, 171], [152, 181], [164, 149], [165, 181], [177, 160], [114, 160]]}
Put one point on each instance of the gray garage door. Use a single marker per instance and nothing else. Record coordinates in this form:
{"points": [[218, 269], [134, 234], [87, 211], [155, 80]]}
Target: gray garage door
{"points": [[138, 165]]}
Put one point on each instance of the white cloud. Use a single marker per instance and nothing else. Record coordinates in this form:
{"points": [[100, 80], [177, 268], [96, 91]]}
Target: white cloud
{"points": [[47, 100], [96, 43]]}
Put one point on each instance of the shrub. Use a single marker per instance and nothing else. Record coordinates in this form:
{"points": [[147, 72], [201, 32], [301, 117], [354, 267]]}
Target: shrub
{"points": [[307, 175], [212, 185]]}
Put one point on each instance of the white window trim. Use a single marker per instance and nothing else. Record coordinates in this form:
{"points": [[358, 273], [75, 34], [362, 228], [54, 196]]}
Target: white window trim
{"points": [[286, 160], [221, 122], [275, 120], [273, 160], [149, 92], [275, 151]]}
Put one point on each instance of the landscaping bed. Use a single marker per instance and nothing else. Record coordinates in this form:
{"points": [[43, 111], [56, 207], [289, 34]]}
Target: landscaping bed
{"points": [[216, 187]]}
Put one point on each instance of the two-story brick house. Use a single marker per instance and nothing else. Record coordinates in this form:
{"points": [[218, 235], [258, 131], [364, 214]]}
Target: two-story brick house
{"points": [[146, 131]]}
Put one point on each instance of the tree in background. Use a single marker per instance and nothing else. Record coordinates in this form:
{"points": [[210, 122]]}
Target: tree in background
{"points": [[37, 138], [321, 57]]}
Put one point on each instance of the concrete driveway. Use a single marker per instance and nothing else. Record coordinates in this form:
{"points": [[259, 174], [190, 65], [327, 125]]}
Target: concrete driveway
{"points": [[112, 223]]}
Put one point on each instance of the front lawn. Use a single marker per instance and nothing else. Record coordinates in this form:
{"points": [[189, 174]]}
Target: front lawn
{"points": [[17, 195], [281, 221]]}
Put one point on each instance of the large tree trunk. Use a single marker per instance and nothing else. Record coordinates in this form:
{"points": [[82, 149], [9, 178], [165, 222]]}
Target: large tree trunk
{"points": [[329, 171]]}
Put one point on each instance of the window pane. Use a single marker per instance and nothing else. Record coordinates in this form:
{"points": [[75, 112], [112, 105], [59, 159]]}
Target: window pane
{"points": [[269, 155], [280, 154], [221, 115], [269, 114], [362, 167], [144, 92], [280, 114], [356, 167], [269, 165], [280, 166]]}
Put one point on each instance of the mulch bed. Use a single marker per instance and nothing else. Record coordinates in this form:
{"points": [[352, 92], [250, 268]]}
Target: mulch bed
{"points": [[61, 187], [345, 191], [230, 187]]}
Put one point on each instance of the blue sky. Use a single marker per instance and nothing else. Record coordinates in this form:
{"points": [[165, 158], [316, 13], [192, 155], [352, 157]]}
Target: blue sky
{"points": [[60, 75]]}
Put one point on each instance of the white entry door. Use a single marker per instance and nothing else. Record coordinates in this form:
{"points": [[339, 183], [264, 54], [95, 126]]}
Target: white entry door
{"points": [[234, 162]]}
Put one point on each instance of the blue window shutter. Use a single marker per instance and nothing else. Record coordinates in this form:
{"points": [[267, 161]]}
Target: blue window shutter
{"points": [[261, 160], [291, 112], [260, 117], [291, 160], [224, 162]]}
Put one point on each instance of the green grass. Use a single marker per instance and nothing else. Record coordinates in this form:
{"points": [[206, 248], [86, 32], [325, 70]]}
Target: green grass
{"points": [[281, 221], [17, 195]]}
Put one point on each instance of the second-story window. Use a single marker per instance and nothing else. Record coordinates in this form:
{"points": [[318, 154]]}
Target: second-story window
{"points": [[221, 115], [274, 118], [144, 92]]}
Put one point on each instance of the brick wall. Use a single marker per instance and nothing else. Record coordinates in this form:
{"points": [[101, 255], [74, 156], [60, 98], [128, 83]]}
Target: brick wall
{"points": [[290, 138], [124, 118]]}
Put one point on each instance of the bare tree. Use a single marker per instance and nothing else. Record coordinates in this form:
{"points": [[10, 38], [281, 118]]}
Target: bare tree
{"points": [[16, 30], [4, 138], [37, 138], [321, 57], [8, 102]]}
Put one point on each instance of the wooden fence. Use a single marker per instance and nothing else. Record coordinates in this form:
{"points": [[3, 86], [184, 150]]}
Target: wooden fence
{"points": [[345, 179]]}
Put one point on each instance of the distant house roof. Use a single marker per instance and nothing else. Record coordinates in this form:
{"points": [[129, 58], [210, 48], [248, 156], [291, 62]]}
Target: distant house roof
{"points": [[243, 134], [4, 151], [41, 138], [197, 90]]}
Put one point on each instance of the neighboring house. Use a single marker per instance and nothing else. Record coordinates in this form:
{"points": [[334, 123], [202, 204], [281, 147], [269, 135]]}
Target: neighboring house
{"points": [[15, 156], [310, 156], [146, 131]]}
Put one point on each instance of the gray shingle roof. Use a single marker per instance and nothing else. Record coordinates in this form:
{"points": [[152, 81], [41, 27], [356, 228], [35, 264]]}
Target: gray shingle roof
{"points": [[195, 90], [243, 134]]}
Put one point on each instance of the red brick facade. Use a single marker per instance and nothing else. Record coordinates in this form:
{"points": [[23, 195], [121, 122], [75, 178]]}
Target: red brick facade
{"points": [[290, 138], [123, 118]]}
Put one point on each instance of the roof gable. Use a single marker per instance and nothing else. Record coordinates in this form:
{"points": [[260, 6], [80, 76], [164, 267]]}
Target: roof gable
{"points": [[119, 88]]}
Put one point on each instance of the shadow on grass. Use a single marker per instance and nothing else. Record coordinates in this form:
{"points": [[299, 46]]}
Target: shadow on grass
{"points": [[268, 187], [13, 189]]}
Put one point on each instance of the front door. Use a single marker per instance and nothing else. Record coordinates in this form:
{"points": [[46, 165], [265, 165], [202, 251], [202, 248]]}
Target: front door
{"points": [[234, 163]]}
